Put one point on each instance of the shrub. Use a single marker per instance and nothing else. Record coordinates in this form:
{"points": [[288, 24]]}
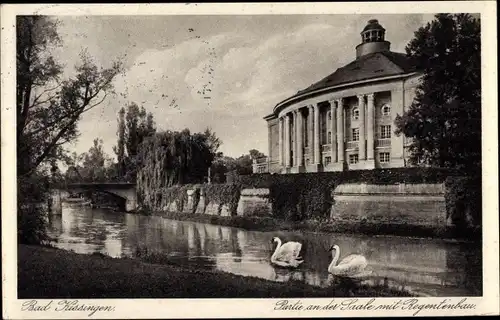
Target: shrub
{"points": [[464, 201], [32, 199]]}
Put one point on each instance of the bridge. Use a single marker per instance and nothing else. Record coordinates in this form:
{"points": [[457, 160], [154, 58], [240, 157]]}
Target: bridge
{"points": [[124, 190]]}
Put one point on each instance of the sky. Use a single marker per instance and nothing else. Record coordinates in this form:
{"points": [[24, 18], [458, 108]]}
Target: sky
{"points": [[222, 72]]}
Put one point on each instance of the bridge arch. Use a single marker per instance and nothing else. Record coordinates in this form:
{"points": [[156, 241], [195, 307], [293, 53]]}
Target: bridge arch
{"points": [[126, 191]]}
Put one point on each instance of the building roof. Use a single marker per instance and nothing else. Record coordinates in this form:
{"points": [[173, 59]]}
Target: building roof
{"points": [[373, 25], [373, 65]]}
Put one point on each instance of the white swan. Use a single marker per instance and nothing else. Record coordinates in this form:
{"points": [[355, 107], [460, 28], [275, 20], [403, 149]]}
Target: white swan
{"points": [[287, 255], [351, 266]]}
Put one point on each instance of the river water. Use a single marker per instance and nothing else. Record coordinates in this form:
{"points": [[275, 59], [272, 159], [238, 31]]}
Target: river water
{"points": [[426, 266]]}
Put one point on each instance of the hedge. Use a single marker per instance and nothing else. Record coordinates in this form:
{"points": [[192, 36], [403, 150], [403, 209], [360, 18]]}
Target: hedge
{"points": [[305, 196], [308, 195], [374, 176]]}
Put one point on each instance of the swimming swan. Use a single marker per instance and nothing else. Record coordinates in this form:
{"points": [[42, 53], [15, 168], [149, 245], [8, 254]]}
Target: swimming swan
{"points": [[351, 266], [287, 255]]}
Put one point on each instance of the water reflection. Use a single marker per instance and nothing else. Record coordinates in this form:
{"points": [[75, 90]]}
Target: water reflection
{"points": [[428, 266]]}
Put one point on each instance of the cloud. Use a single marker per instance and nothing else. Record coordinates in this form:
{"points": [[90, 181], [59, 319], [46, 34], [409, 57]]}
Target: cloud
{"points": [[230, 80]]}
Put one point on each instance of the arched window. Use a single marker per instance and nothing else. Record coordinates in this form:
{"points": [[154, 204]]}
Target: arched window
{"points": [[386, 110], [355, 114]]}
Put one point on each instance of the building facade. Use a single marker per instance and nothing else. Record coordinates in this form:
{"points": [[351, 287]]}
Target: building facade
{"points": [[346, 120]]}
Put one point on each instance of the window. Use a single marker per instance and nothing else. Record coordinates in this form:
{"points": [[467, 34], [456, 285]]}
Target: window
{"points": [[385, 132], [328, 160], [353, 158], [329, 115], [386, 110], [329, 137], [355, 114], [384, 157], [355, 134], [372, 36]]}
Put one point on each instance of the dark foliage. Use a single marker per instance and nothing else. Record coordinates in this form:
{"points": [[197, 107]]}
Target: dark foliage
{"points": [[32, 199], [444, 120], [464, 202]]}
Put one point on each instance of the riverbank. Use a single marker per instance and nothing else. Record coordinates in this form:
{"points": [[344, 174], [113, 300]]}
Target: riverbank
{"points": [[260, 223], [45, 272]]}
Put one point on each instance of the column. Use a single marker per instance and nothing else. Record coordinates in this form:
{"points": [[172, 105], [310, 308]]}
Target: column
{"points": [[317, 150], [280, 140], [295, 138], [370, 128], [333, 110], [362, 138], [311, 134], [300, 135], [287, 140], [340, 130]]}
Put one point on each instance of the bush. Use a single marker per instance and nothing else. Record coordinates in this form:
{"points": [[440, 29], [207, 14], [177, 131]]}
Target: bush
{"points": [[464, 201], [32, 199]]}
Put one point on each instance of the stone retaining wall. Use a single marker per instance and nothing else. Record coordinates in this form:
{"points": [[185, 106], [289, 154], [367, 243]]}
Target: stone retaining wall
{"points": [[415, 204], [254, 202]]}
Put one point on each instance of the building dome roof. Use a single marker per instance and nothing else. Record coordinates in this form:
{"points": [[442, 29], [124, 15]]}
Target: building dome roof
{"points": [[374, 60], [373, 25]]}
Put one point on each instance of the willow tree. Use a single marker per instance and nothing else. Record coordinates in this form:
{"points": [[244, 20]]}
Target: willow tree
{"points": [[170, 158]]}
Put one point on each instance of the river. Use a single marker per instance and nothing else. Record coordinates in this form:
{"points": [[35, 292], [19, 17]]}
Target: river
{"points": [[430, 267]]}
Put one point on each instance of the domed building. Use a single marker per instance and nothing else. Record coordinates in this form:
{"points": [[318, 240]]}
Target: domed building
{"points": [[345, 121]]}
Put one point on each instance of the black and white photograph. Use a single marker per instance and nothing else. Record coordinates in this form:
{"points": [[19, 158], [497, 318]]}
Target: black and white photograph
{"points": [[199, 152]]}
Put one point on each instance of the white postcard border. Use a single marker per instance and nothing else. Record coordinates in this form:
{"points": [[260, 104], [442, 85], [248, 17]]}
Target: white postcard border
{"points": [[236, 308]]}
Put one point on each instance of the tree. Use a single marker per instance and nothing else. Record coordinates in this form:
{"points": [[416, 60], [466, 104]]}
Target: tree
{"points": [[119, 149], [444, 120], [48, 107], [256, 154], [213, 142], [134, 126], [95, 161], [241, 165], [170, 158]]}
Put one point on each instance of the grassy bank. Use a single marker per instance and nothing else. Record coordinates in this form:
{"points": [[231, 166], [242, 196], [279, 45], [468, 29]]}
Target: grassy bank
{"points": [[52, 273], [328, 226]]}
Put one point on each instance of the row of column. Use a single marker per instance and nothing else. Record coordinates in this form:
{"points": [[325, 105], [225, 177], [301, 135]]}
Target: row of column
{"points": [[366, 130]]}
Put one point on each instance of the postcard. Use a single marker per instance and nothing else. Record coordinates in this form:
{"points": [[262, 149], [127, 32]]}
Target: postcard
{"points": [[193, 160]]}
